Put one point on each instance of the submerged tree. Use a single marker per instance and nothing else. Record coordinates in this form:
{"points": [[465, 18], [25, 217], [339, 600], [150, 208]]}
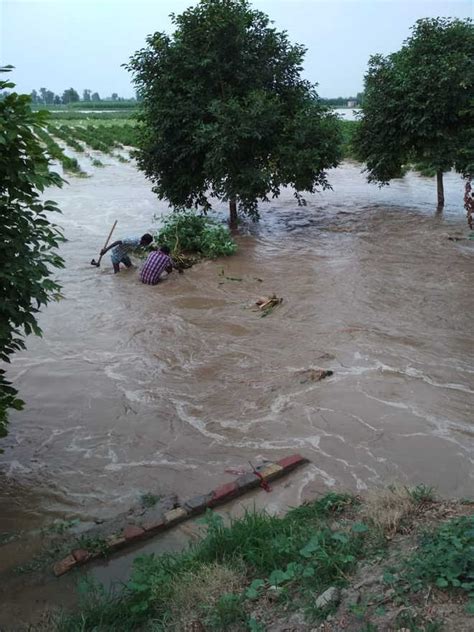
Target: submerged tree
{"points": [[226, 113], [29, 239], [418, 104]]}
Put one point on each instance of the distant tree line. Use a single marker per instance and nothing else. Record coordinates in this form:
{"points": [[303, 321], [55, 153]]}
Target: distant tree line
{"points": [[48, 97]]}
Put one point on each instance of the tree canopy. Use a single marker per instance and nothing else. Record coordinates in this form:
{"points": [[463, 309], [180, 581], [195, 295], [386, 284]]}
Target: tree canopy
{"points": [[418, 104], [225, 112], [29, 239]]}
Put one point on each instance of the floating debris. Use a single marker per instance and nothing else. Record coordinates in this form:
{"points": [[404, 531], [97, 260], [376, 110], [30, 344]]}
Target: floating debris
{"points": [[268, 303], [314, 375]]}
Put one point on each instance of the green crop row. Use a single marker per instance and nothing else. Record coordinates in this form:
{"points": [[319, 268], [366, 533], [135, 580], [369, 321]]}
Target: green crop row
{"points": [[55, 151]]}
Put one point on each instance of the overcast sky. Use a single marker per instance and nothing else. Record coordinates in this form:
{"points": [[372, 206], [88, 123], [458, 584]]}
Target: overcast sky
{"points": [[82, 43]]}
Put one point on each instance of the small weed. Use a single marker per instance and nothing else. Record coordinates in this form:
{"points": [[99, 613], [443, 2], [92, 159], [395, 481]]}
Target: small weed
{"points": [[6, 537], [97, 163], [149, 500], [94, 544], [227, 612], [59, 527], [422, 494], [410, 621]]}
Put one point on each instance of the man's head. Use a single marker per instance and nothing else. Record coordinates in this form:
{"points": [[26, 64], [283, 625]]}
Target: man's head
{"points": [[146, 239], [165, 249]]}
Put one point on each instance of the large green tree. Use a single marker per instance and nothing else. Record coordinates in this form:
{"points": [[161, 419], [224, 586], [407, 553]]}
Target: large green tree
{"points": [[70, 96], [29, 239], [418, 104], [225, 112]]}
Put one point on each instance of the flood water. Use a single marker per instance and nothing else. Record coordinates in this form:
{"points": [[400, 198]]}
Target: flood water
{"points": [[136, 388]]}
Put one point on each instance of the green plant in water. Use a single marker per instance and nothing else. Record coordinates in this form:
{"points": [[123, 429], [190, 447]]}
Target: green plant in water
{"points": [[148, 499], [191, 233]]}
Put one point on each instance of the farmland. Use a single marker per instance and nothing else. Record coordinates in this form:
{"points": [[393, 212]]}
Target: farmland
{"points": [[113, 134], [73, 138]]}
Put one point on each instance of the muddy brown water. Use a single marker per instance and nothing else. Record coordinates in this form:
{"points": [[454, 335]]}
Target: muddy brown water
{"points": [[136, 388]]}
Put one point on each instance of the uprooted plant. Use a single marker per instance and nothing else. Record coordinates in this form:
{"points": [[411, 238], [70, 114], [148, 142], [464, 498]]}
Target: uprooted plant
{"points": [[192, 236]]}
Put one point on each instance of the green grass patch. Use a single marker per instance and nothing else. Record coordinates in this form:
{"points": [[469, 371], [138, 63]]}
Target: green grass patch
{"points": [[293, 557], [445, 558]]}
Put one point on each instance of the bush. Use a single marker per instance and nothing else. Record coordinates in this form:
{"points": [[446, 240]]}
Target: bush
{"points": [[191, 233]]}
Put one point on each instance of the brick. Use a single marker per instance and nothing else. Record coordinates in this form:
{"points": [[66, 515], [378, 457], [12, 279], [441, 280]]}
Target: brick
{"points": [[292, 461], [175, 515], [133, 532], [81, 555], [154, 515], [247, 481], [269, 472], [198, 504], [154, 523], [115, 541], [223, 493], [64, 565]]}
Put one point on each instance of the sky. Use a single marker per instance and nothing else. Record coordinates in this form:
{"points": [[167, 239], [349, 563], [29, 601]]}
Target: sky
{"points": [[59, 44]]}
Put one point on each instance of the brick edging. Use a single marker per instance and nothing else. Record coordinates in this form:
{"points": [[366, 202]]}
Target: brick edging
{"points": [[156, 521]]}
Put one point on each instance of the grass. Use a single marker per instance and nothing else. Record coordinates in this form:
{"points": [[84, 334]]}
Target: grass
{"points": [[445, 558], [258, 568], [297, 554], [387, 509], [149, 500]]}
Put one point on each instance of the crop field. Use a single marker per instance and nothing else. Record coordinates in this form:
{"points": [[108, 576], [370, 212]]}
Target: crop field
{"points": [[106, 133], [113, 134]]}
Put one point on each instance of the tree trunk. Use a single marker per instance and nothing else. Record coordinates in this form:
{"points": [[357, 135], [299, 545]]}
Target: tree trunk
{"points": [[439, 181], [233, 213]]}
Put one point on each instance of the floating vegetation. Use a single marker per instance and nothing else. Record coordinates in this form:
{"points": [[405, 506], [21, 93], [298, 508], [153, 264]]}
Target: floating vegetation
{"points": [[267, 304]]}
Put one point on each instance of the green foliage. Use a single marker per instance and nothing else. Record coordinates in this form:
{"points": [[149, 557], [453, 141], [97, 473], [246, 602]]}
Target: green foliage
{"points": [[422, 493], [54, 150], [148, 499], [227, 612], [226, 113], [190, 233], [418, 104], [63, 133], [445, 557], [29, 240], [348, 129]]}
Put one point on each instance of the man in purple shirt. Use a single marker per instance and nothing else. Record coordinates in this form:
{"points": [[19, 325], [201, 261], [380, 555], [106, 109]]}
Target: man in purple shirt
{"points": [[157, 262]]}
